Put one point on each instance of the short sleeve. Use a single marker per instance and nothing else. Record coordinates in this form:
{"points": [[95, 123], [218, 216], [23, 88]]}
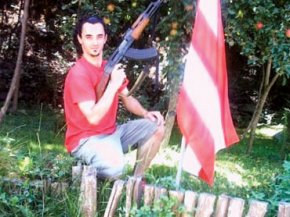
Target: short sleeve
{"points": [[81, 87], [124, 85]]}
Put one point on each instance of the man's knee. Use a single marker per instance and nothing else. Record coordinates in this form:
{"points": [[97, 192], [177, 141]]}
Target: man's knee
{"points": [[112, 172], [154, 140]]}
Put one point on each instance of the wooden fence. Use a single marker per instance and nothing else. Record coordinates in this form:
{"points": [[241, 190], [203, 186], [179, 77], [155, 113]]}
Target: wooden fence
{"points": [[196, 204]]}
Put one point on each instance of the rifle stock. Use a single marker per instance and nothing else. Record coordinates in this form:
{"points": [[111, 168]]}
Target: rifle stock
{"points": [[133, 33], [137, 31]]}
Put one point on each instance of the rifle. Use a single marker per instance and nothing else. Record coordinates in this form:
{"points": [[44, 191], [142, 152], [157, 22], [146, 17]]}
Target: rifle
{"points": [[124, 50]]}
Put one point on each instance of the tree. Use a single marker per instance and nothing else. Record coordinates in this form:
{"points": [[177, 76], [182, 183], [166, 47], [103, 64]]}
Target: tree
{"points": [[260, 29], [15, 81]]}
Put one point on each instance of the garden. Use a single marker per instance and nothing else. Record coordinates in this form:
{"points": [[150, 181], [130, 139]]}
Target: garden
{"points": [[32, 125]]}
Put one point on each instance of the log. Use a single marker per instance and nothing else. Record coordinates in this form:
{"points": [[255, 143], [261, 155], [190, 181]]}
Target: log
{"points": [[58, 187], [205, 205], [257, 209], [179, 196], [88, 192], [222, 206], [148, 195], [129, 195], [19, 182], [114, 198], [76, 175], [158, 192], [284, 209], [137, 191], [236, 207], [45, 185], [190, 201]]}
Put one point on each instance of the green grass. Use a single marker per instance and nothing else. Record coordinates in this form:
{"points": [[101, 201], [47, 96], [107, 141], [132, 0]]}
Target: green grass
{"points": [[237, 173], [31, 147]]}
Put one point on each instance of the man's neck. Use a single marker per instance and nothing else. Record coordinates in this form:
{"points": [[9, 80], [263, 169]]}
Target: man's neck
{"points": [[94, 60]]}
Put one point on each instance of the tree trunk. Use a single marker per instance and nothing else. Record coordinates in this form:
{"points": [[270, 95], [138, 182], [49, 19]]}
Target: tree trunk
{"points": [[171, 111], [16, 25], [16, 94], [256, 108], [264, 95], [3, 19], [16, 75], [169, 120]]}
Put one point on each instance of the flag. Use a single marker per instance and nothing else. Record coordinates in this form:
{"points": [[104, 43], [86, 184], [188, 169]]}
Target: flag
{"points": [[203, 111]]}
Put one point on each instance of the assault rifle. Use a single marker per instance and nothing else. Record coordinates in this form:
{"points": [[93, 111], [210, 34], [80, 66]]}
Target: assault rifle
{"points": [[124, 50]]}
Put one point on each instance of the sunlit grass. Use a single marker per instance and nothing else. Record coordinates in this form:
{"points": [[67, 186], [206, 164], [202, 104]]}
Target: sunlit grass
{"points": [[236, 173]]}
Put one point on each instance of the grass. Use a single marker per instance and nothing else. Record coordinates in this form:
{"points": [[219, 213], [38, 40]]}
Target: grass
{"points": [[31, 147], [237, 173]]}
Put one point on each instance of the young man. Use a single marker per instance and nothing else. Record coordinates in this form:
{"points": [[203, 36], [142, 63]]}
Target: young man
{"points": [[92, 133]]}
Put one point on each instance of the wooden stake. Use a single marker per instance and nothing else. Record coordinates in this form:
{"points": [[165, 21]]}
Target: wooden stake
{"points": [[88, 194], [257, 209], [46, 185], [138, 191], [190, 201], [222, 206], [205, 205], [236, 207], [284, 209], [59, 187], [76, 175], [159, 191], [129, 195], [148, 195], [179, 196], [114, 198]]}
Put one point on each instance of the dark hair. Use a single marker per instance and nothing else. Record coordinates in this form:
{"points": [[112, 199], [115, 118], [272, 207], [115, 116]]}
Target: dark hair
{"points": [[79, 26]]}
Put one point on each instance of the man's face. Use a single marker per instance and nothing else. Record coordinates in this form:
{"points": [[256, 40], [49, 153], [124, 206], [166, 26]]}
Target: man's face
{"points": [[93, 39]]}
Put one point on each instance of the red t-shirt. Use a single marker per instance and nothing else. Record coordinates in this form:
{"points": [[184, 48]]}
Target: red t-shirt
{"points": [[80, 85]]}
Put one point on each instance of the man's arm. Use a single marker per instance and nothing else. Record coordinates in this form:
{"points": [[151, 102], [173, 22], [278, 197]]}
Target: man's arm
{"points": [[95, 111], [134, 106]]}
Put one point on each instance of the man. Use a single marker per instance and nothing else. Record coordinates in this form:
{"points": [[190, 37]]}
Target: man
{"points": [[92, 133]]}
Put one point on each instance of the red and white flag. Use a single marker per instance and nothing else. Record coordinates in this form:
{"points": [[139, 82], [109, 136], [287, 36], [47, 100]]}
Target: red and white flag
{"points": [[203, 111]]}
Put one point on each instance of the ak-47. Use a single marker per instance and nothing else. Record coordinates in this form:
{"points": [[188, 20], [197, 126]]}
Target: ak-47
{"points": [[124, 50]]}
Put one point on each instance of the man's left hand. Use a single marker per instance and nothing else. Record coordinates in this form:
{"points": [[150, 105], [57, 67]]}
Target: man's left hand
{"points": [[155, 116]]}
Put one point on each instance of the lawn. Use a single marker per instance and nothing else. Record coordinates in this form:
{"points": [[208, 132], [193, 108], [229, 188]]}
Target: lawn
{"points": [[31, 148]]}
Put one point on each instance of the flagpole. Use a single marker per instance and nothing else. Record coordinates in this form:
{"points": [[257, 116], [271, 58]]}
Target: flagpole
{"points": [[179, 169]]}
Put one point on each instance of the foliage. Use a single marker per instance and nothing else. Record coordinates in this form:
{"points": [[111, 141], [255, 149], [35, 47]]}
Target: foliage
{"points": [[285, 140], [27, 142], [282, 185], [27, 200], [164, 207], [259, 28], [49, 50], [279, 190]]}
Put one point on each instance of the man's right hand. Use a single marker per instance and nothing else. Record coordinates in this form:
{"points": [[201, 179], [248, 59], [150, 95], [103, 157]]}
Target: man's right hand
{"points": [[118, 76]]}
